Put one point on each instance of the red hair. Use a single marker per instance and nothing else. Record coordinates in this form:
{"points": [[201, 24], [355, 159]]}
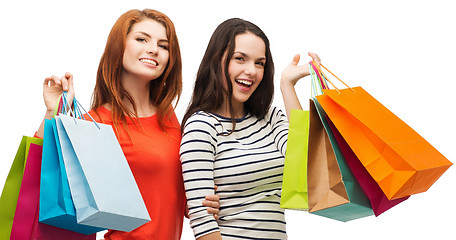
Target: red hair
{"points": [[108, 87]]}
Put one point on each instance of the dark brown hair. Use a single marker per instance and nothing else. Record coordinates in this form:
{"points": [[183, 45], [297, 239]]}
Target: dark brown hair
{"points": [[209, 93]]}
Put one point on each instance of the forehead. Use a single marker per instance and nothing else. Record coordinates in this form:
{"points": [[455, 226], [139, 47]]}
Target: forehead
{"points": [[151, 27], [250, 44]]}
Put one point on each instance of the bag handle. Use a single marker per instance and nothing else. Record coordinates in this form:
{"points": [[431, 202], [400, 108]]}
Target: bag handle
{"points": [[324, 78], [75, 112]]}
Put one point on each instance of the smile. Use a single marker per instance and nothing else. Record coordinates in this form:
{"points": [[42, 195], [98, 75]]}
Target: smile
{"points": [[244, 82], [148, 61]]}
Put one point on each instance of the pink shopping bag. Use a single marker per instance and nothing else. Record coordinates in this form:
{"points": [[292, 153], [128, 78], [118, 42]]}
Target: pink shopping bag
{"points": [[25, 223]]}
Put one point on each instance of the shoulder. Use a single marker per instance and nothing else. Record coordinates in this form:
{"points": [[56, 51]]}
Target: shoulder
{"points": [[100, 115], [274, 114], [201, 120]]}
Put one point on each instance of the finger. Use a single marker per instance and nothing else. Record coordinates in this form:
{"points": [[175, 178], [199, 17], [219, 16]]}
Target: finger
{"points": [[48, 82], [215, 188], [69, 76], [213, 204], [216, 217], [213, 210], [315, 58], [296, 59], [212, 198], [64, 81], [51, 81]]}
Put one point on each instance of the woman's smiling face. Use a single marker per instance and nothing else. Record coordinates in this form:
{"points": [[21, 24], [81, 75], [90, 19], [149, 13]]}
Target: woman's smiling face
{"points": [[146, 50], [246, 66]]}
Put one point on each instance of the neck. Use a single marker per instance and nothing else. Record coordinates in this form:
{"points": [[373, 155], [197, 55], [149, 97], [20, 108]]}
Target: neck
{"points": [[140, 93], [238, 109]]}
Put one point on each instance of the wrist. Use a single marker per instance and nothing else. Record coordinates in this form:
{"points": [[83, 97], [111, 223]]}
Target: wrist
{"points": [[49, 114], [285, 85]]}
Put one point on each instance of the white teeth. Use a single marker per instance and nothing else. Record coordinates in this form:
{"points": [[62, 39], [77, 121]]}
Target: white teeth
{"points": [[245, 82], [149, 61]]}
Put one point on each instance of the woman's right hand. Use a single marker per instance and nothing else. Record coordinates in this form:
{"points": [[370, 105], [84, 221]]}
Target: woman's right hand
{"points": [[53, 87]]}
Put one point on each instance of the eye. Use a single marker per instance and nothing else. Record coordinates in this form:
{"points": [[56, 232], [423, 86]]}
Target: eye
{"points": [[239, 58], [261, 64], [164, 46], [141, 39]]}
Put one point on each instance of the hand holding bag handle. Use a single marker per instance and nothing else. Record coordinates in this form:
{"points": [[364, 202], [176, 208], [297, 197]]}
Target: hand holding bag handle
{"points": [[56, 205]]}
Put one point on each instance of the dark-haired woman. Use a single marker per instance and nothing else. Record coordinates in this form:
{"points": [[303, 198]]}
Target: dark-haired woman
{"points": [[139, 75], [234, 139]]}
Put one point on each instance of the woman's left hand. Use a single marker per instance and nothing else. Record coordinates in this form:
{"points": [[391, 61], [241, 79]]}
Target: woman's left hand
{"points": [[292, 73], [212, 202]]}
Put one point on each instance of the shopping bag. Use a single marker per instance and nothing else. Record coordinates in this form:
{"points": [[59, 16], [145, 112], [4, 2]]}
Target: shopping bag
{"points": [[56, 205], [294, 184], [10, 193], [399, 159], [378, 200], [333, 190], [42, 231], [103, 189], [25, 225], [28, 195]]}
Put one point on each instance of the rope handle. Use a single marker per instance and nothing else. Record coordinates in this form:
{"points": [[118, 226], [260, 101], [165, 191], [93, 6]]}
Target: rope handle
{"points": [[75, 111], [323, 78]]}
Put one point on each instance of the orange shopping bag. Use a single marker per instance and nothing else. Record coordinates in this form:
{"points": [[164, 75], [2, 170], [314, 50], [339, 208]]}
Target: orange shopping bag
{"points": [[399, 159]]}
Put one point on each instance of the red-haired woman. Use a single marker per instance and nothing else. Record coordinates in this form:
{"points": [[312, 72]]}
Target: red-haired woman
{"points": [[139, 76]]}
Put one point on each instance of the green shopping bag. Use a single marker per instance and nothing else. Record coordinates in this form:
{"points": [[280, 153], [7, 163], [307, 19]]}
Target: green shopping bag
{"points": [[294, 184], [10, 193]]}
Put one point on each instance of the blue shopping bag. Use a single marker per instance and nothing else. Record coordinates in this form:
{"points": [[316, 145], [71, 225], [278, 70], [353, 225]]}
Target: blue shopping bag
{"points": [[56, 205], [103, 189]]}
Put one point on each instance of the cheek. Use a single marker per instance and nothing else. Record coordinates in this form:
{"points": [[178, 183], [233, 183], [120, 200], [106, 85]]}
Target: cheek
{"points": [[165, 58], [260, 75]]}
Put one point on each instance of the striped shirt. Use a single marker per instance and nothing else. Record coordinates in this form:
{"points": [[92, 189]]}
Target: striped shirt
{"points": [[246, 166]]}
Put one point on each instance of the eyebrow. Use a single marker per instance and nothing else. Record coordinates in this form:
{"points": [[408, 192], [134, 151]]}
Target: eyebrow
{"points": [[147, 35], [245, 55]]}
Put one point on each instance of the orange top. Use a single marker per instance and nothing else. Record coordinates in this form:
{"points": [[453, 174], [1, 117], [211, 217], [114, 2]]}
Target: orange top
{"points": [[153, 156]]}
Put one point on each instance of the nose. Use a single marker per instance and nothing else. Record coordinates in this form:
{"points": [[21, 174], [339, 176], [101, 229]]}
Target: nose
{"points": [[250, 68], [152, 48]]}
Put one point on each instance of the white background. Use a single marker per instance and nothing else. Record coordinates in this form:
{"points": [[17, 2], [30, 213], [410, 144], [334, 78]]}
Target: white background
{"points": [[402, 52]]}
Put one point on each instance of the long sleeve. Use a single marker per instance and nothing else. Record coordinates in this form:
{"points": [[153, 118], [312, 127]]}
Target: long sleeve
{"points": [[279, 126], [197, 153]]}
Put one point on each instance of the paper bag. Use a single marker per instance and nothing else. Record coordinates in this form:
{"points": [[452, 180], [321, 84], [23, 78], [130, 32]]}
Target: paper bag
{"points": [[398, 158], [333, 190], [294, 184], [103, 189]]}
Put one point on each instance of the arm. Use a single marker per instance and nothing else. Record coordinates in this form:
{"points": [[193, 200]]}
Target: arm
{"points": [[212, 202], [197, 152], [280, 126], [290, 76], [53, 87], [211, 236]]}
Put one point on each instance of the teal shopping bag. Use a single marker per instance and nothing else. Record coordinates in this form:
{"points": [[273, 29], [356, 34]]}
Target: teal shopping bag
{"points": [[10, 193], [102, 186], [56, 205]]}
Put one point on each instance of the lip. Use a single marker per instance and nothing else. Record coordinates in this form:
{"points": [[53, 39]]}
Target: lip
{"points": [[243, 87], [147, 63]]}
